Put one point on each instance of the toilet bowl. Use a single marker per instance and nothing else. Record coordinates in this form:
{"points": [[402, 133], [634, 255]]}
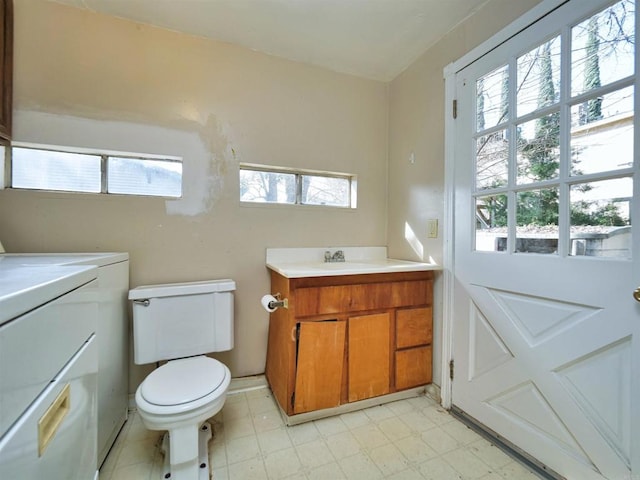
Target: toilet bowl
{"points": [[178, 397], [183, 390], [181, 323]]}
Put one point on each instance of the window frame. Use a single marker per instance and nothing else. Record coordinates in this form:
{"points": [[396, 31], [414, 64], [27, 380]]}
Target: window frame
{"points": [[299, 173], [104, 155]]}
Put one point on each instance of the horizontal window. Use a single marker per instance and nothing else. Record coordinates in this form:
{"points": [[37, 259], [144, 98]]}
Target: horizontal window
{"points": [[264, 184], [70, 170]]}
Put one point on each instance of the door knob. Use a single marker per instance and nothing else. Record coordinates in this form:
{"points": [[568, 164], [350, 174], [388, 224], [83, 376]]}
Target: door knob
{"points": [[636, 294]]}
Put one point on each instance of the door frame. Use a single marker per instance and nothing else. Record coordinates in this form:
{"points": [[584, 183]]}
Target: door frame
{"points": [[450, 72]]}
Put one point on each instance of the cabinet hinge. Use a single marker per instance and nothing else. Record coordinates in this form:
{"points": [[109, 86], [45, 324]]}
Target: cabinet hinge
{"points": [[451, 369], [455, 109]]}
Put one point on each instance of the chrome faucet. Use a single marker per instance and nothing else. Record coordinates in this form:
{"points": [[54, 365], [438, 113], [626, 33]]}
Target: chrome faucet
{"points": [[338, 256]]}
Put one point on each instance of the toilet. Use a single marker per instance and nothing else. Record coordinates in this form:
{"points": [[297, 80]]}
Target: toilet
{"points": [[181, 323]]}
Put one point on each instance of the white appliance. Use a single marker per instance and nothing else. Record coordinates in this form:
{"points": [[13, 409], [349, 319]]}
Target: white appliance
{"points": [[48, 372], [112, 332]]}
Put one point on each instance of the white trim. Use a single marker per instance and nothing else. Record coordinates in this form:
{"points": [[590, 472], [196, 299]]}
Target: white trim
{"points": [[450, 71], [299, 418], [448, 236]]}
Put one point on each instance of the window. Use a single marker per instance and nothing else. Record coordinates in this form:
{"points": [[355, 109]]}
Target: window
{"points": [[75, 170], [276, 185], [553, 161]]}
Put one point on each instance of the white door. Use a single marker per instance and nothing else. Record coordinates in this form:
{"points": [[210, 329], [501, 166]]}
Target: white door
{"points": [[546, 333]]}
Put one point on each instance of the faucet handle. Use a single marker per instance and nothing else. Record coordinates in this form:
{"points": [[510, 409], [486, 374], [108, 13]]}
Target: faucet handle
{"points": [[327, 256]]}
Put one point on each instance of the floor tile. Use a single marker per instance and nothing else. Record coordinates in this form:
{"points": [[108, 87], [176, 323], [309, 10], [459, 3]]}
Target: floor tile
{"points": [[440, 440], [330, 471], [360, 466], [274, 440], [439, 469], [330, 426], [389, 459], [314, 454], [415, 450], [242, 449], [282, 464], [469, 466], [343, 444], [304, 433], [412, 439], [394, 429], [369, 436], [248, 470]]}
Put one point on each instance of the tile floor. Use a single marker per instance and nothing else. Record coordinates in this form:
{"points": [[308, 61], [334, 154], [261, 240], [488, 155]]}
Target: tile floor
{"points": [[408, 439]]}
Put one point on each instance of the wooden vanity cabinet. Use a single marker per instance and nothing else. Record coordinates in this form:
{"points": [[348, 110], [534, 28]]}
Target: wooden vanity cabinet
{"points": [[348, 338], [6, 72]]}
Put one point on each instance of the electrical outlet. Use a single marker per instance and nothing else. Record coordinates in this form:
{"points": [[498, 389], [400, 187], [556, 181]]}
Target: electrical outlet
{"points": [[432, 228]]}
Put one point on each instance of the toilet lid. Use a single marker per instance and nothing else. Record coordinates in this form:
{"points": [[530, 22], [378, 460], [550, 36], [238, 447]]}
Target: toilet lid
{"points": [[183, 381]]}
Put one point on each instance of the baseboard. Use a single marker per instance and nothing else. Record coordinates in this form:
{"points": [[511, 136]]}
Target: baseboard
{"points": [[246, 384], [433, 391], [291, 420]]}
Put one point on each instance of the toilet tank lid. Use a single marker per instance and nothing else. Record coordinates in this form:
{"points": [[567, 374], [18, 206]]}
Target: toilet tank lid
{"points": [[187, 288]]}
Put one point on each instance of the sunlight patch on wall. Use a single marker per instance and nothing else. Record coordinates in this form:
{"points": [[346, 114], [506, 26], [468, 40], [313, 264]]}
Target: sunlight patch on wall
{"points": [[412, 240]]}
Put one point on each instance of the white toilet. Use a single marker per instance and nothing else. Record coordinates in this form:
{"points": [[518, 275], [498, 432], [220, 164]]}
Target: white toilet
{"points": [[181, 322]]}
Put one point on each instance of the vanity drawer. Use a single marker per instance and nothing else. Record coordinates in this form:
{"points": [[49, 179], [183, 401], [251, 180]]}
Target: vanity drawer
{"points": [[413, 327], [361, 297]]}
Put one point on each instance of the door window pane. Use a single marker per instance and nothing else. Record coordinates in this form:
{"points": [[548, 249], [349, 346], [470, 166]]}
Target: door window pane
{"points": [[492, 160], [492, 99], [600, 218], [144, 177], [602, 48], [602, 142], [491, 223], [539, 77], [537, 221], [51, 170], [539, 149]]}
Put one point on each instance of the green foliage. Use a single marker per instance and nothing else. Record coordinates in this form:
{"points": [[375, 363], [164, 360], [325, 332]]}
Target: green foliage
{"points": [[604, 215], [591, 110]]}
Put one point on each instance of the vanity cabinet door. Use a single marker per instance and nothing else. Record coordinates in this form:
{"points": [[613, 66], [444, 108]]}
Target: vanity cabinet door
{"points": [[319, 365], [368, 356]]}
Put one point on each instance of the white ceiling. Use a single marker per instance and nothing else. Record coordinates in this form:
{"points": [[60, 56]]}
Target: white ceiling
{"points": [[374, 39]]}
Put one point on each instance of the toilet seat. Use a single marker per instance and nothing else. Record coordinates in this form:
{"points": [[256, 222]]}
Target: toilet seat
{"points": [[183, 381]]}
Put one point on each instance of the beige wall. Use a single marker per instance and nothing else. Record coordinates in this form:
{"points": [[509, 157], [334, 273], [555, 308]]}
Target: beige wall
{"points": [[416, 124], [85, 79], [89, 80]]}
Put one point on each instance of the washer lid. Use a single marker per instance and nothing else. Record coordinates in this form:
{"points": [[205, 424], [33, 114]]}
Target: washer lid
{"points": [[183, 381]]}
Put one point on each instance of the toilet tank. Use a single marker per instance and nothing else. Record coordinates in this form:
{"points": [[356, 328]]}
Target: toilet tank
{"points": [[182, 319]]}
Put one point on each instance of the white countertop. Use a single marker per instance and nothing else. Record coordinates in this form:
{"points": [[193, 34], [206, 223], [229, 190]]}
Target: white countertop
{"points": [[309, 262], [28, 280]]}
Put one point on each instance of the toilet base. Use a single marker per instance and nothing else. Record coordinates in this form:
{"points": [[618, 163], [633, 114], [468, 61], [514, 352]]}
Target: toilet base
{"points": [[204, 435]]}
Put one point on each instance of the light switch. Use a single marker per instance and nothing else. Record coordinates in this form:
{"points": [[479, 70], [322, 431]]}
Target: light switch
{"points": [[432, 228]]}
